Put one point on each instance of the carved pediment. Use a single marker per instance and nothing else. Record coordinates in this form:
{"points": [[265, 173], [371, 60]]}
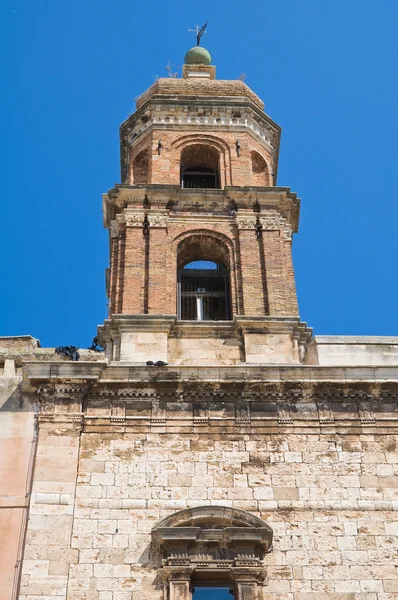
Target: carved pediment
{"points": [[204, 536]]}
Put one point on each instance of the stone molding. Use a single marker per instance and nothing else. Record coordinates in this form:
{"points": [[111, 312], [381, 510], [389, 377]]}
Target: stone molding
{"points": [[202, 123], [292, 325], [132, 323]]}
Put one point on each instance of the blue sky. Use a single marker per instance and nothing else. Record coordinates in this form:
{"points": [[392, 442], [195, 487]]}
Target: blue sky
{"points": [[327, 72]]}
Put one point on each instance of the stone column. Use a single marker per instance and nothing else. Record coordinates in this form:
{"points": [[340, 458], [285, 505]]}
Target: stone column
{"points": [[178, 579], [248, 582]]}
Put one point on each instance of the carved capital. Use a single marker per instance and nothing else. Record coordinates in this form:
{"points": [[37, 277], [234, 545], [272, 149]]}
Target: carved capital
{"points": [[134, 220], [272, 222], [158, 220], [246, 222], [276, 222]]}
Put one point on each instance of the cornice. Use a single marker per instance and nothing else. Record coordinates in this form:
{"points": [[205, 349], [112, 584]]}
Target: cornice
{"points": [[200, 124], [227, 407], [116, 372], [271, 200]]}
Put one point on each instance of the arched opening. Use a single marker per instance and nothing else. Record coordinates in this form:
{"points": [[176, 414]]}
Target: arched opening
{"points": [[260, 174], [203, 279], [200, 167], [141, 167], [203, 290]]}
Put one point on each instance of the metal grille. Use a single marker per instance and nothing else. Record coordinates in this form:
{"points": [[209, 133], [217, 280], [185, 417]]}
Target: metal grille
{"points": [[199, 178], [203, 294]]}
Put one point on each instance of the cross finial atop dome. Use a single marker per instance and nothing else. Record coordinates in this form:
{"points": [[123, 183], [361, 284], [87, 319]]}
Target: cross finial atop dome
{"points": [[199, 32], [197, 61]]}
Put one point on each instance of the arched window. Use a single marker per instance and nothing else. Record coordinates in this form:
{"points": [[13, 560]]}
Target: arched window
{"points": [[200, 167], [141, 167], [260, 174], [203, 292], [214, 547], [203, 278]]}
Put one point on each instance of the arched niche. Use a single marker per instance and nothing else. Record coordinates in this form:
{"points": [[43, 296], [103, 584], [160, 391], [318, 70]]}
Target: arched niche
{"points": [[260, 172], [199, 167], [141, 167]]}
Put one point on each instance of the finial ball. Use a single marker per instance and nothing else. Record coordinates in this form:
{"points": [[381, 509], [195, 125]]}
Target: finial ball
{"points": [[197, 56]]}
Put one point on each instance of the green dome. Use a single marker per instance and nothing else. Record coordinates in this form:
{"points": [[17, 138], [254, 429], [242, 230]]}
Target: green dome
{"points": [[197, 56]]}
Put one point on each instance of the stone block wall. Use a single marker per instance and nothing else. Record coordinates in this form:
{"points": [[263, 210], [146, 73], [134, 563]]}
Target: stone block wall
{"points": [[48, 551], [331, 501]]}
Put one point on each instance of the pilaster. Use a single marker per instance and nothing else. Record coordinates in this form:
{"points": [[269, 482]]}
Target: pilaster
{"points": [[49, 547]]}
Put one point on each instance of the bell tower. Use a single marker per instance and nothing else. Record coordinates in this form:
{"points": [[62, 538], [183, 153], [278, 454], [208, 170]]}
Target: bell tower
{"points": [[200, 234]]}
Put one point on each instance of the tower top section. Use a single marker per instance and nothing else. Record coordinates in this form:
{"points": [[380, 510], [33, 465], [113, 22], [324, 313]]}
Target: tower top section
{"points": [[223, 121], [199, 57]]}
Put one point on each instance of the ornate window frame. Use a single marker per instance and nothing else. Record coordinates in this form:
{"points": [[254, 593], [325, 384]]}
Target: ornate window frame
{"points": [[212, 544]]}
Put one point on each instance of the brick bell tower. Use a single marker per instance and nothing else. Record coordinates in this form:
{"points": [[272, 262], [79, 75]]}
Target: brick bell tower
{"points": [[200, 234]]}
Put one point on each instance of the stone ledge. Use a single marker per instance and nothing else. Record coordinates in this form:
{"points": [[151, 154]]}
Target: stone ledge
{"points": [[357, 339]]}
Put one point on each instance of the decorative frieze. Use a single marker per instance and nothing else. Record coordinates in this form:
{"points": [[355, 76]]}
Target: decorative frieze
{"points": [[170, 121], [273, 222]]}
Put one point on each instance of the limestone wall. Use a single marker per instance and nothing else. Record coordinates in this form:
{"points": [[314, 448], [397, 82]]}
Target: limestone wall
{"points": [[332, 350], [304, 486]]}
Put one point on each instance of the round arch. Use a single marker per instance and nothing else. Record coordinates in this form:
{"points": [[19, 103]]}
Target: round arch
{"points": [[260, 171], [211, 142], [212, 517], [141, 167], [199, 166], [207, 245]]}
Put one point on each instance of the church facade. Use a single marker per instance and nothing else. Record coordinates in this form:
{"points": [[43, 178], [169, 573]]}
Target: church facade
{"points": [[215, 445]]}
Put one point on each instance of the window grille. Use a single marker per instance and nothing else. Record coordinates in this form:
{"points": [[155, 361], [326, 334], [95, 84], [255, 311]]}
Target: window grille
{"points": [[203, 292], [199, 177]]}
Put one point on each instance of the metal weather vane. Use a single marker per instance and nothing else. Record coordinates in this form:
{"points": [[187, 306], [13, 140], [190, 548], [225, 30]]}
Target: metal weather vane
{"points": [[199, 32]]}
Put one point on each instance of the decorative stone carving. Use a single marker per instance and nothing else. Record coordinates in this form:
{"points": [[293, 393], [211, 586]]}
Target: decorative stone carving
{"points": [[246, 222], [272, 222], [158, 220], [210, 535], [134, 220], [212, 542]]}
